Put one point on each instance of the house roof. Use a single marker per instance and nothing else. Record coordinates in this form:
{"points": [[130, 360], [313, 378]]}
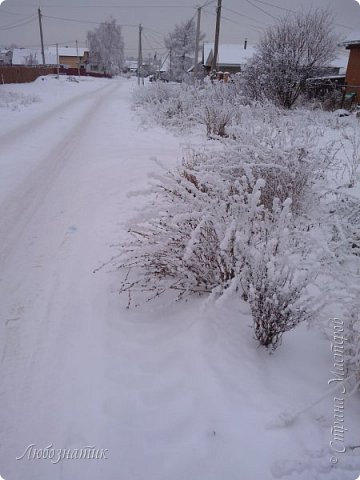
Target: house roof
{"points": [[131, 64], [69, 51], [21, 54], [236, 54], [353, 38], [228, 54], [341, 60]]}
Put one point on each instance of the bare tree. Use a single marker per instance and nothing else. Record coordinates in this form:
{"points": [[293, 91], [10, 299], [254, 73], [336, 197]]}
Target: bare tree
{"points": [[299, 46], [106, 46], [31, 59], [181, 43]]}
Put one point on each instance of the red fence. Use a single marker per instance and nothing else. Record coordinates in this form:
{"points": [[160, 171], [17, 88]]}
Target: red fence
{"points": [[23, 74]]}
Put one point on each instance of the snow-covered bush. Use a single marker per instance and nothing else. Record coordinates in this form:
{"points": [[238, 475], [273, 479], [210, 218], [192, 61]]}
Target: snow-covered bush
{"points": [[218, 105], [275, 276], [284, 152], [216, 118], [352, 345], [340, 267], [341, 223], [15, 100], [207, 232], [170, 105], [177, 242], [351, 136], [184, 105], [154, 93], [259, 213]]}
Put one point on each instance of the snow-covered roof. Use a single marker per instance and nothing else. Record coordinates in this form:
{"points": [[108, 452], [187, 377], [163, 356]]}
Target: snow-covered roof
{"points": [[20, 55], [131, 63], [353, 38], [326, 77], [236, 54], [69, 51], [228, 54], [341, 61], [165, 64]]}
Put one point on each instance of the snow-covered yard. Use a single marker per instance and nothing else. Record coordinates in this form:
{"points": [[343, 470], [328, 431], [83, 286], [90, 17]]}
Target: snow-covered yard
{"points": [[166, 390]]}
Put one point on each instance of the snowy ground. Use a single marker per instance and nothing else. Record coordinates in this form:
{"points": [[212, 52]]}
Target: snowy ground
{"points": [[169, 391]]}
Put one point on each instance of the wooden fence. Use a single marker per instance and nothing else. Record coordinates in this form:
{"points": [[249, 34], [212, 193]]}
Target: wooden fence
{"points": [[23, 74]]}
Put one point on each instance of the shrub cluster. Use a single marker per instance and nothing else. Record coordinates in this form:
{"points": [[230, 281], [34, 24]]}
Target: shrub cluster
{"points": [[251, 214]]}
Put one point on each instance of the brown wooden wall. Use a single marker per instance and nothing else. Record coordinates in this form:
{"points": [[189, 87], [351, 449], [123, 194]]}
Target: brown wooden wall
{"points": [[72, 62], [22, 74], [353, 71]]}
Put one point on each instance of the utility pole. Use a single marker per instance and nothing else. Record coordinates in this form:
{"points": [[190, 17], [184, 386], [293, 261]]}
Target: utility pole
{"points": [[57, 59], [170, 63], [41, 36], [140, 57], [217, 34], [197, 41], [78, 58]]}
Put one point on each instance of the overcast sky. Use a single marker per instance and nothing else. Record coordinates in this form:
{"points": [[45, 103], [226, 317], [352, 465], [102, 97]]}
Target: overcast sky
{"points": [[241, 19]]}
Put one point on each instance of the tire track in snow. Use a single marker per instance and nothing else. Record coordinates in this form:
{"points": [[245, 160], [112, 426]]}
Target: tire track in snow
{"points": [[16, 211], [15, 214], [64, 330], [9, 138]]}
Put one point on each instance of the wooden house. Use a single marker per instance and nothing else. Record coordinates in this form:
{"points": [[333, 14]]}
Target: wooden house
{"points": [[69, 57], [231, 57], [353, 69]]}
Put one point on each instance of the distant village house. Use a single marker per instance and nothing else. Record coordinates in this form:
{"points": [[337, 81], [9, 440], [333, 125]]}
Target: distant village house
{"points": [[5, 57], [353, 69], [231, 57], [69, 57]]}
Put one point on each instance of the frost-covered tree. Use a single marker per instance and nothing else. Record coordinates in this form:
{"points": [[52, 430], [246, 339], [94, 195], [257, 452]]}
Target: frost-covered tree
{"points": [[181, 44], [31, 59], [299, 46], [106, 46]]}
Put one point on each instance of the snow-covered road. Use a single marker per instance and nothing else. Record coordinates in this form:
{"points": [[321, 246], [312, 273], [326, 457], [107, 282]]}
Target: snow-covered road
{"points": [[64, 184], [171, 392]]}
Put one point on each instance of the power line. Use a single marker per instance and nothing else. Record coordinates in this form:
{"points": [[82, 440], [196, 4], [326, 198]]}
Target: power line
{"points": [[243, 15], [290, 11], [71, 20], [19, 24], [254, 27], [344, 26], [109, 6], [275, 6], [129, 49], [65, 44], [148, 41], [11, 13], [84, 21], [207, 3], [155, 40], [223, 17], [261, 9], [161, 34]]}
